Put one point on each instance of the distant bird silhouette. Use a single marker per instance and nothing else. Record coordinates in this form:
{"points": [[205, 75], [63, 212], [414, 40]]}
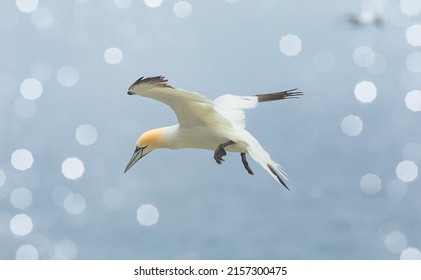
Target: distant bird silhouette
{"points": [[364, 19]]}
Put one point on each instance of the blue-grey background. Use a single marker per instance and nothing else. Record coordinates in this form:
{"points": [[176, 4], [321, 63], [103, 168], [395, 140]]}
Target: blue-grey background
{"points": [[207, 211]]}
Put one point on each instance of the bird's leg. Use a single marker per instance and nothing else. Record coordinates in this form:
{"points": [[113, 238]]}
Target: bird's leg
{"points": [[246, 164], [220, 151]]}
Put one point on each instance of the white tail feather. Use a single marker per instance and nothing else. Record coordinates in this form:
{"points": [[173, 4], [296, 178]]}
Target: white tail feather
{"points": [[275, 170]]}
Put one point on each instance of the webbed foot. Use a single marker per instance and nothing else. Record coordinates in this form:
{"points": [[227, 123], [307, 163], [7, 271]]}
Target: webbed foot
{"points": [[220, 152]]}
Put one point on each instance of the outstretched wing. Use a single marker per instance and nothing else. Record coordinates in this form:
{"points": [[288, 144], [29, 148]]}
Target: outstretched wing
{"points": [[232, 106], [192, 109]]}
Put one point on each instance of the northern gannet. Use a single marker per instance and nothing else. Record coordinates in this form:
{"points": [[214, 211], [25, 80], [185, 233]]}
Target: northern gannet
{"points": [[204, 124]]}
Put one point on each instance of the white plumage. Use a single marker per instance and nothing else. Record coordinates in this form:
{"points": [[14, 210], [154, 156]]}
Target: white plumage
{"points": [[217, 125], [232, 108]]}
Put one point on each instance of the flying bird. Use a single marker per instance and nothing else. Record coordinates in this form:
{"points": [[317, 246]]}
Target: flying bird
{"points": [[217, 125], [365, 18]]}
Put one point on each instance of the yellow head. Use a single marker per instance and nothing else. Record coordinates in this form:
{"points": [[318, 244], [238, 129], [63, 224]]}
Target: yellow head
{"points": [[146, 143]]}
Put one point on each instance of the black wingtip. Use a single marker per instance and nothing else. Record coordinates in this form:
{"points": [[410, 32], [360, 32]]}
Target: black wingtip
{"points": [[277, 176], [156, 80], [138, 81], [287, 94]]}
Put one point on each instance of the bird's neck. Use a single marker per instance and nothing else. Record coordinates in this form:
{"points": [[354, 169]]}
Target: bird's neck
{"points": [[170, 137]]}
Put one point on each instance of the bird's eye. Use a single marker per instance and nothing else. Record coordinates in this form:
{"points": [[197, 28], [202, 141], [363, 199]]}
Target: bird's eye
{"points": [[139, 148]]}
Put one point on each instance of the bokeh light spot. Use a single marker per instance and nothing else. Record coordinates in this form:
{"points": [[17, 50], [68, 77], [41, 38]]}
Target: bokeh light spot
{"points": [[153, 3], [370, 183], [42, 18], [122, 4], [395, 241], [27, 252], [147, 215], [410, 7], [27, 6], [290, 45], [21, 224], [2, 178], [182, 9], [411, 253], [365, 91], [113, 56], [64, 250], [413, 62], [407, 171], [22, 159], [387, 228], [352, 125], [413, 100], [31, 89], [67, 76], [413, 35], [59, 194], [74, 203], [363, 56], [86, 134], [72, 168], [21, 198]]}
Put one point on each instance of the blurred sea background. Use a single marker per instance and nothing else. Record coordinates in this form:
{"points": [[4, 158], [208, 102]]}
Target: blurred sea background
{"points": [[351, 145]]}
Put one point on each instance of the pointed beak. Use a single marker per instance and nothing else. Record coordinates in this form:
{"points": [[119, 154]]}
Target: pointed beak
{"points": [[138, 154]]}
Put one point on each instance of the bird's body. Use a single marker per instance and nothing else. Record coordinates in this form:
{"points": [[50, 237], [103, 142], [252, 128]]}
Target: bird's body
{"points": [[217, 125], [202, 137]]}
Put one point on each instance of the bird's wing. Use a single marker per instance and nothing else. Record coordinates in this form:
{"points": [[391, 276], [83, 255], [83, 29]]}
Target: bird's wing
{"points": [[232, 106], [192, 109]]}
